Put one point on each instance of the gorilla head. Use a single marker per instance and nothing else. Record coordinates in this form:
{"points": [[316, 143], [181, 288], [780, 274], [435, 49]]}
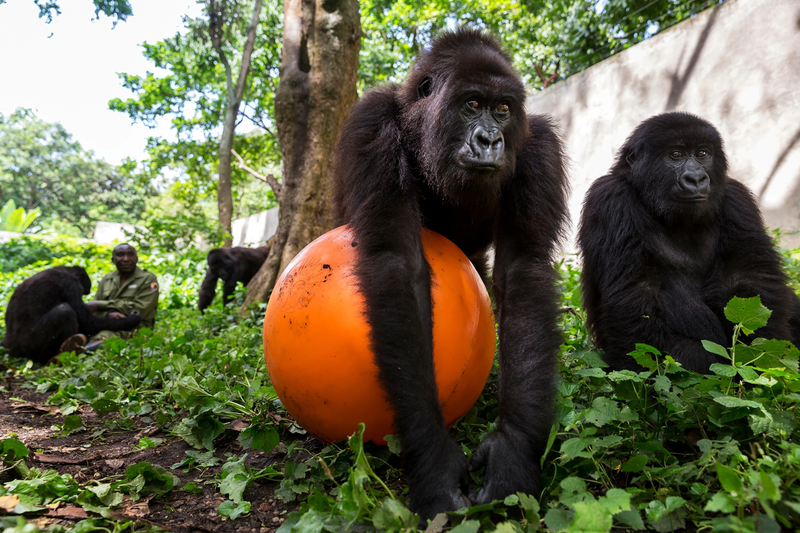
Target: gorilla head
{"points": [[463, 111], [676, 163]]}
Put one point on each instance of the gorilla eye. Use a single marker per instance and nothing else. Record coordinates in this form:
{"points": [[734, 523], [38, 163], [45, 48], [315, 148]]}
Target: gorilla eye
{"points": [[702, 153], [676, 154], [502, 109], [425, 87], [474, 105]]}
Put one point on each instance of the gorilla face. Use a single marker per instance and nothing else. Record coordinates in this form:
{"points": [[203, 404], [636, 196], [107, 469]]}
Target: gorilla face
{"points": [[691, 167], [465, 119], [676, 163]]}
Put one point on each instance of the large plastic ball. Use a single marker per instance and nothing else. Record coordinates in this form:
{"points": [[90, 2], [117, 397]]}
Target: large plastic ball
{"points": [[316, 338]]}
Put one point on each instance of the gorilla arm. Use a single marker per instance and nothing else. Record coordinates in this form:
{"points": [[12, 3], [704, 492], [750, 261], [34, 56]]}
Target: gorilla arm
{"points": [[375, 195], [89, 324], [207, 289], [753, 266], [531, 222]]}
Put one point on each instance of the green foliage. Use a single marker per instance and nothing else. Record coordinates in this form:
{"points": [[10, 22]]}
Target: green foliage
{"points": [[13, 218], [191, 90], [662, 449], [42, 167], [117, 9], [560, 37]]}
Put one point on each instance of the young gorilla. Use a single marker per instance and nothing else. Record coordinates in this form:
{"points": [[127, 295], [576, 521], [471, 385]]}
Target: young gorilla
{"points": [[232, 265], [452, 149], [667, 240], [47, 308]]}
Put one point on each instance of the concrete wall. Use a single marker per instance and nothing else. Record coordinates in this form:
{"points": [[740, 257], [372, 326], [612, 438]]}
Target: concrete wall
{"points": [[255, 229], [737, 65]]}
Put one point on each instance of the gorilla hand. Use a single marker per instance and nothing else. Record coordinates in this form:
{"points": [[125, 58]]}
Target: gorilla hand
{"points": [[443, 486], [511, 466]]}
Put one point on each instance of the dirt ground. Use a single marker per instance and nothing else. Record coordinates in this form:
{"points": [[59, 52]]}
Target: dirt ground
{"points": [[98, 453]]}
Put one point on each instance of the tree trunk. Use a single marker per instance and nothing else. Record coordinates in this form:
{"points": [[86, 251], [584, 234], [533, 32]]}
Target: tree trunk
{"points": [[224, 193], [321, 41], [234, 93]]}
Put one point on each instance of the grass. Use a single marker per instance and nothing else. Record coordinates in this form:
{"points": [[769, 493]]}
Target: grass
{"points": [[663, 450]]}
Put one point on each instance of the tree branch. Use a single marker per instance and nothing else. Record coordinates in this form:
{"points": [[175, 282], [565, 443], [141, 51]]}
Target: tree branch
{"points": [[269, 179], [248, 51], [215, 29]]}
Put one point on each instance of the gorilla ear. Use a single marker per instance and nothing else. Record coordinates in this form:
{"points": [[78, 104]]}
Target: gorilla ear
{"points": [[630, 158], [425, 87]]}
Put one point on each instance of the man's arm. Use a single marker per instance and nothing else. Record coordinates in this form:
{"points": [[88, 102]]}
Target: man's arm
{"points": [[100, 302]]}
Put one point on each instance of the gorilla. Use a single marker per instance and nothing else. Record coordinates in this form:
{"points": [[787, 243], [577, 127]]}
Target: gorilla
{"points": [[232, 265], [452, 150], [47, 308], [667, 240]]}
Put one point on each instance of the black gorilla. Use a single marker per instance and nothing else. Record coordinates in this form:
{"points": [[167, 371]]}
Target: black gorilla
{"points": [[452, 149], [667, 240], [232, 265], [47, 308]]}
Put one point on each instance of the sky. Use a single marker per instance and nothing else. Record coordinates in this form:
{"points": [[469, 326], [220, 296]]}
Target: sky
{"points": [[66, 70]]}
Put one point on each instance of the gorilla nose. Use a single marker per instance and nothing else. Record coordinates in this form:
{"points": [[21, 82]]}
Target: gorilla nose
{"points": [[695, 183], [487, 144]]}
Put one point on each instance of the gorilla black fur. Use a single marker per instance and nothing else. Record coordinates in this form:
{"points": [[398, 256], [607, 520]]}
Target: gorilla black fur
{"points": [[667, 240], [232, 265], [48, 307], [452, 150]]}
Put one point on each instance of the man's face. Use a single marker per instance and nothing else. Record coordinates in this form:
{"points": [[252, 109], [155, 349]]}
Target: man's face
{"points": [[125, 259]]}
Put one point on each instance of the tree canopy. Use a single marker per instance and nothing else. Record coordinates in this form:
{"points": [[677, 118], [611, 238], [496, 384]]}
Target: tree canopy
{"points": [[42, 167], [116, 9]]}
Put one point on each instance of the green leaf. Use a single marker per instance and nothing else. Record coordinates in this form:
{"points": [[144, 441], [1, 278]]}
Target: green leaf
{"points": [[233, 510], [635, 463], [467, 526], [773, 423], [530, 506], [12, 449], [72, 423], [556, 519], [602, 412], [729, 479], [104, 406], [573, 491], [259, 437], [768, 487], [591, 372], [715, 348], [393, 442], [590, 515], [575, 447], [145, 478], [719, 369], [632, 519], [721, 502], [748, 312], [616, 501], [732, 401]]}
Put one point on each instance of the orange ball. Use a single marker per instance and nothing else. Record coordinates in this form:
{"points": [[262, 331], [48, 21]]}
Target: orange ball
{"points": [[316, 340]]}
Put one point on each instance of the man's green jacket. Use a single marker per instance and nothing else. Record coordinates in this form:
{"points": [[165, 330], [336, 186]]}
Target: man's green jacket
{"points": [[140, 292]]}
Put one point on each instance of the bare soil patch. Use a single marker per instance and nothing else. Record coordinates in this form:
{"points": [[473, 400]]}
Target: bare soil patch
{"points": [[99, 451]]}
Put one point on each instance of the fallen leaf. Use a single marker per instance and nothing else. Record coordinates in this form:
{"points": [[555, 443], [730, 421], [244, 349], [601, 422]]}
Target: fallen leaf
{"points": [[437, 524], [59, 460], [49, 409], [116, 464], [238, 425], [7, 503], [68, 512]]}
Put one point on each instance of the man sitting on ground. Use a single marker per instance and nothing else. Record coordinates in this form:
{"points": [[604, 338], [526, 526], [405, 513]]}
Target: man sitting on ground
{"points": [[129, 288]]}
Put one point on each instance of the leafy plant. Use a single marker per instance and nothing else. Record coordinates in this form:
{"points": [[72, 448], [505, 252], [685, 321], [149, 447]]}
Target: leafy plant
{"points": [[13, 218]]}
